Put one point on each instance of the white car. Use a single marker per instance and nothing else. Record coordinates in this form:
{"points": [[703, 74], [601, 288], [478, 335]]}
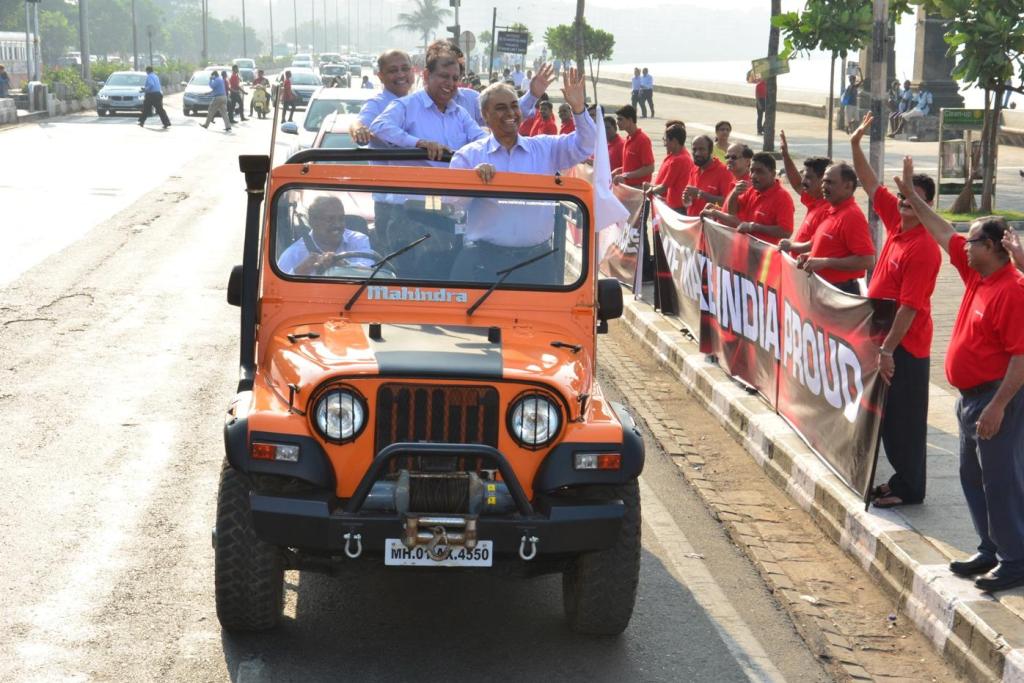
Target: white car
{"points": [[323, 103]]}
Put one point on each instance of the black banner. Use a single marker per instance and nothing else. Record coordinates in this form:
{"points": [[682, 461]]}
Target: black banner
{"points": [[680, 261], [829, 387]]}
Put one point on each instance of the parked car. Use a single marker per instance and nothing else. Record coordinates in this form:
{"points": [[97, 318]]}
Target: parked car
{"points": [[304, 83], [198, 95], [246, 68], [121, 92]]}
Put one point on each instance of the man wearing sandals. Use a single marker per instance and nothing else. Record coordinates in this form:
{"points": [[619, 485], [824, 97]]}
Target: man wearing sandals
{"points": [[985, 362], [906, 271]]}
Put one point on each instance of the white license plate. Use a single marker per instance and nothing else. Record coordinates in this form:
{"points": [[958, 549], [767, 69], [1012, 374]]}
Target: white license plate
{"points": [[397, 555]]}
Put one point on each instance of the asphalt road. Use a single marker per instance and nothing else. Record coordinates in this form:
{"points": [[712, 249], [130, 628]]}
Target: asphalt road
{"points": [[119, 357]]}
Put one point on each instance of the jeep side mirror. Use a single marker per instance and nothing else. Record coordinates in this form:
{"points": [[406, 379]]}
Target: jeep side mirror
{"points": [[290, 127], [609, 302], [235, 286]]}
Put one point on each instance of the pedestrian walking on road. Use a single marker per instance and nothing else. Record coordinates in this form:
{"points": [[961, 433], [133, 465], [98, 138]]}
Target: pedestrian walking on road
{"points": [[635, 99], [985, 362], [760, 97], [287, 97], [153, 98], [236, 95], [851, 108], [219, 104], [905, 272], [647, 92]]}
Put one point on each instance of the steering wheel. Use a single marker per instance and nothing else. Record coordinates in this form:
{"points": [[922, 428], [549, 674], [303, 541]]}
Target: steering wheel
{"points": [[343, 261]]}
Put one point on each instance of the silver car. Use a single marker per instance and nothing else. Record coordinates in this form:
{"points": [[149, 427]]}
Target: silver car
{"points": [[198, 94], [123, 91]]}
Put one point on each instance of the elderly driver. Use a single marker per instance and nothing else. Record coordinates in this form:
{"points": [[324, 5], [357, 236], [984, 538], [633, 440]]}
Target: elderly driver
{"points": [[328, 238]]}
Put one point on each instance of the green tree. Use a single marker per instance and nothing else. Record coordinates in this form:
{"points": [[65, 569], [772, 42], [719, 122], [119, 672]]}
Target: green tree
{"points": [[987, 39], [56, 36], [426, 17], [484, 38], [561, 41], [598, 46]]}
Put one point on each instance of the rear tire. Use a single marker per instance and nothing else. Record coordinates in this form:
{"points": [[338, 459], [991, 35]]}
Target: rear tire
{"points": [[248, 573], [599, 588]]}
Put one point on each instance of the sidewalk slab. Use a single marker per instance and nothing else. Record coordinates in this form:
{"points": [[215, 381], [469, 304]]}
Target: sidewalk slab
{"points": [[981, 635]]}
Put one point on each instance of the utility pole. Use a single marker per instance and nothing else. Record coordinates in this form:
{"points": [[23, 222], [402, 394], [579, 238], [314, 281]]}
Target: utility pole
{"points": [[206, 56], [135, 42], [29, 60], [879, 82], [337, 27], [494, 39], [772, 96], [245, 47], [295, 11], [270, 8], [581, 53], [149, 34], [325, 26], [312, 28], [83, 41], [348, 22]]}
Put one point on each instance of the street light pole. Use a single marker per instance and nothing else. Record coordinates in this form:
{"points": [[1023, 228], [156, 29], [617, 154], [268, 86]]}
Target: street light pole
{"points": [[245, 48], [337, 27], [325, 26], [83, 41], [205, 46], [295, 12], [312, 27], [270, 8], [348, 22], [149, 34], [135, 43]]}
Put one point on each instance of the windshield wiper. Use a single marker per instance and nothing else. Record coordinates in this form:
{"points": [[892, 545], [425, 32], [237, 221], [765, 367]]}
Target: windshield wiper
{"points": [[504, 274], [380, 264]]}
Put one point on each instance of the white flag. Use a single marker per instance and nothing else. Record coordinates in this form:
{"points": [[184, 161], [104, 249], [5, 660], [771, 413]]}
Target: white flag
{"points": [[608, 210]]}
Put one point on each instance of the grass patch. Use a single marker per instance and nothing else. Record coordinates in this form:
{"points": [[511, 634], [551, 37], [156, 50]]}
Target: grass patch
{"points": [[968, 217]]}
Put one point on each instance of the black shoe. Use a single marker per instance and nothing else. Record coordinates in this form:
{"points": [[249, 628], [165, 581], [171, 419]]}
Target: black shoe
{"points": [[1000, 579], [140, 123], [973, 565]]}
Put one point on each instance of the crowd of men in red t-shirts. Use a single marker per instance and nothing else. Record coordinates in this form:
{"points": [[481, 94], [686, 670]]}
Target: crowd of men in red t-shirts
{"points": [[985, 360]]}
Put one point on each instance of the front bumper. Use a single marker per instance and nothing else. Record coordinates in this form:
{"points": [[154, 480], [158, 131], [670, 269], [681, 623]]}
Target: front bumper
{"points": [[119, 105]]}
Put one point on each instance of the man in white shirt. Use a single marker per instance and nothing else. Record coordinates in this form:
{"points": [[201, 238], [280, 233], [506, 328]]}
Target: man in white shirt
{"points": [[394, 68], [647, 92], [429, 119], [518, 77], [497, 238]]}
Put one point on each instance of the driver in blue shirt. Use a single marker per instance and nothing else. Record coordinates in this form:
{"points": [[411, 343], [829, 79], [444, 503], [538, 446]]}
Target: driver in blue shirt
{"points": [[328, 238]]}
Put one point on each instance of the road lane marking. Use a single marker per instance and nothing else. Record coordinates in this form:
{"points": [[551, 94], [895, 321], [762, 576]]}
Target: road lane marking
{"points": [[693, 574]]}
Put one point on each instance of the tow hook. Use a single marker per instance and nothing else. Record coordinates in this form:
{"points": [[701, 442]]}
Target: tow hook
{"points": [[438, 547], [440, 534], [357, 550], [528, 542]]}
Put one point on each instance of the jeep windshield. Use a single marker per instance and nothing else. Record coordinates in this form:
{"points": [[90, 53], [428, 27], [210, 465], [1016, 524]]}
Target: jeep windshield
{"points": [[333, 234]]}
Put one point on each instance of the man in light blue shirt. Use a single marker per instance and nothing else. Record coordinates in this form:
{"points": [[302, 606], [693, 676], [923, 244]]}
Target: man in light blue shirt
{"points": [[394, 68], [317, 251], [153, 98], [429, 119], [219, 105], [647, 92], [495, 236], [634, 86]]}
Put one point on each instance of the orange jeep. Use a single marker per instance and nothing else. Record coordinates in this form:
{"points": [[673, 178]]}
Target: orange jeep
{"points": [[417, 386]]}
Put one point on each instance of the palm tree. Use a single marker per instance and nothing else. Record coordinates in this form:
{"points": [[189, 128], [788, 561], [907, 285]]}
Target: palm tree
{"points": [[423, 20]]}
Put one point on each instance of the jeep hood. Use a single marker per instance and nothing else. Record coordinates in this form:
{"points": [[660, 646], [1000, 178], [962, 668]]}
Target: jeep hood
{"points": [[308, 354]]}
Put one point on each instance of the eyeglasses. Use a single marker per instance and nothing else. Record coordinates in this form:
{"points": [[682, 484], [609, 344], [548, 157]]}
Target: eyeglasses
{"points": [[977, 239]]}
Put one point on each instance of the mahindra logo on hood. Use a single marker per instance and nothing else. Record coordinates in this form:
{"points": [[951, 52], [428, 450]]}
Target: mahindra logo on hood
{"points": [[442, 295]]}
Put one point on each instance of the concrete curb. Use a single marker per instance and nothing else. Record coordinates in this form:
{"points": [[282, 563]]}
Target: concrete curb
{"points": [[979, 636]]}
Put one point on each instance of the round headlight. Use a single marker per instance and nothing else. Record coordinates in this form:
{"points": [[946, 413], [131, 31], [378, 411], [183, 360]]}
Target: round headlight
{"points": [[534, 420], [339, 415]]}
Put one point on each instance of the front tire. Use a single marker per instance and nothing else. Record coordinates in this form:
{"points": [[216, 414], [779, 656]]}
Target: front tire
{"points": [[248, 573], [599, 588]]}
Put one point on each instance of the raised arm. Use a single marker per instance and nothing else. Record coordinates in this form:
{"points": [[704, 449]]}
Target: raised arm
{"points": [[1011, 242], [939, 228], [792, 172], [865, 174]]}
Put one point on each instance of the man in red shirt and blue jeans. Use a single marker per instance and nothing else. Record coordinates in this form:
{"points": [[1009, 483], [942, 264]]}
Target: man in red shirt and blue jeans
{"points": [[905, 272], [985, 362]]}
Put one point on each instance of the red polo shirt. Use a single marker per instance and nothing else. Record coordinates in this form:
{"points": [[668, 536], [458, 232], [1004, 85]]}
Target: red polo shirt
{"points": [[526, 127], [543, 126], [843, 232], [774, 206], [674, 173], [816, 209], [714, 179], [615, 148], [567, 127], [637, 152], [760, 89], [234, 82], [988, 328], [906, 271]]}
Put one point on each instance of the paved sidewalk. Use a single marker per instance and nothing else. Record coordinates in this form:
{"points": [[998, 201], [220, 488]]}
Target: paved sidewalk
{"points": [[907, 548]]}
